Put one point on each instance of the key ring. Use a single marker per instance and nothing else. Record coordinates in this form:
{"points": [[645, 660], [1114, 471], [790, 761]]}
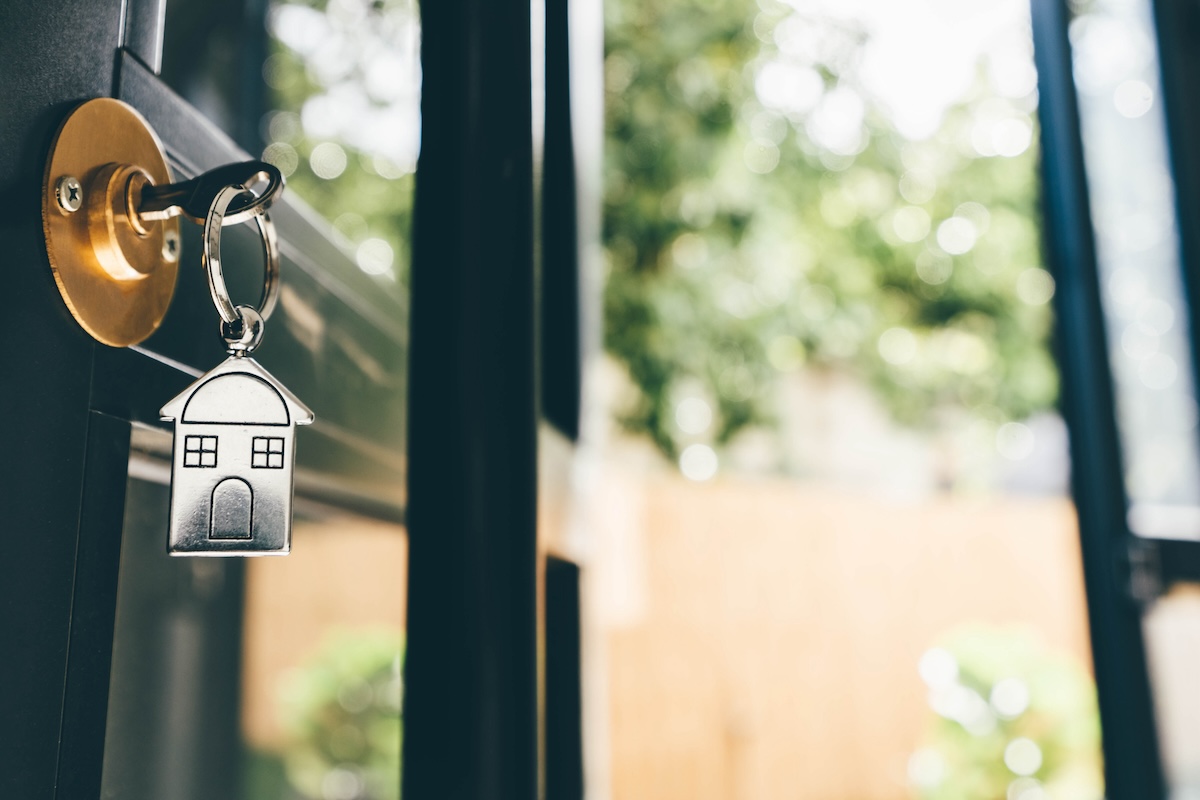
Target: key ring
{"points": [[242, 326]]}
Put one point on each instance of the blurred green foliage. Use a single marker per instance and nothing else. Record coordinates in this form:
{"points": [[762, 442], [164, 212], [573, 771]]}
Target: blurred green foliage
{"points": [[740, 248], [741, 244], [343, 85], [342, 719], [1013, 722]]}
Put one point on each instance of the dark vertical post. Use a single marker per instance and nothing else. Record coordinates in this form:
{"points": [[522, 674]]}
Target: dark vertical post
{"points": [[1178, 25], [252, 88], [1132, 767], [564, 682], [561, 346], [471, 696]]}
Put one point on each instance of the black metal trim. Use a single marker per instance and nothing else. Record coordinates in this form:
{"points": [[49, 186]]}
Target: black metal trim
{"points": [[1177, 23], [1133, 769], [93, 608], [145, 21]]}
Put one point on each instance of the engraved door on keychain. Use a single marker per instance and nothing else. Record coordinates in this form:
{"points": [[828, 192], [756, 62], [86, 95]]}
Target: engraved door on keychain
{"points": [[235, 427]]}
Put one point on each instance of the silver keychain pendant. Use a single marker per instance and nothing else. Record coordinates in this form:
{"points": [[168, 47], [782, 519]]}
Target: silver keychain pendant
{"points": [[234, 454]]}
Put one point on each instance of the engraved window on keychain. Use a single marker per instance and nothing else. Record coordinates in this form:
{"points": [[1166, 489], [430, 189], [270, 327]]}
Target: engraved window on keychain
{"points": [[233, 458]]}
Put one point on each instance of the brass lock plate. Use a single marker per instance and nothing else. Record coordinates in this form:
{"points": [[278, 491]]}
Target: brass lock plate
{"points": [[115, 272]]}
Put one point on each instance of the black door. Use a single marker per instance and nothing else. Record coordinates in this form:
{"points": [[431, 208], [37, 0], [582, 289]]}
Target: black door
{"points": [[125, 672], [122, 673]]}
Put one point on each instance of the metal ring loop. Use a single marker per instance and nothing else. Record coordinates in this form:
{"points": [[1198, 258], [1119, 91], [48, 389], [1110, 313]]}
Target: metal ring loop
{"points": [[245, 335], [256, 206], [211, 259]]}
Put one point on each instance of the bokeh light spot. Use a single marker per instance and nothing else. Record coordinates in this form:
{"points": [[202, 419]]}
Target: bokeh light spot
{"points": [[1023, 756], [693, 415], [897, 346], [1010, 697], [375, 257], [786, 353], [282, 155], [1015, 441], [698, 462], [1133, 99], [328, 160], [911, 223], [1035, 286], [956, 235]]}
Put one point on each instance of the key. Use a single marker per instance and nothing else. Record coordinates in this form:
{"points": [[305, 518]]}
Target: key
{"points": [[192, 198]]}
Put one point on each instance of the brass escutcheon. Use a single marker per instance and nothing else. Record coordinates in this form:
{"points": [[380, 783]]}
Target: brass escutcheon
{"points": [[116, 273]]}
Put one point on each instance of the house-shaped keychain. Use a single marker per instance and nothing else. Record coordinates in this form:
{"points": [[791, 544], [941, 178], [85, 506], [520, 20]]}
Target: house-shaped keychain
{"points": [[233, 462]]}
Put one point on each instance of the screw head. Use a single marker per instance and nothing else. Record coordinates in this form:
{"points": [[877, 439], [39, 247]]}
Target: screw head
{"points": [[69, 193], [171, 245]]}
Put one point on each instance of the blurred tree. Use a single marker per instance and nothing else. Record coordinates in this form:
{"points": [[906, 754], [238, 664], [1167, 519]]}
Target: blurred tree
{"points": [[762, 213]]}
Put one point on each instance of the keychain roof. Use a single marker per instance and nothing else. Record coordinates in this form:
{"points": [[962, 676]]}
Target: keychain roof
{"points": [[298, 413]]}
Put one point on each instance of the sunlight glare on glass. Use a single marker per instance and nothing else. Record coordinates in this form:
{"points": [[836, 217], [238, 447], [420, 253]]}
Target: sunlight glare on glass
{"points": [[698, 462]]}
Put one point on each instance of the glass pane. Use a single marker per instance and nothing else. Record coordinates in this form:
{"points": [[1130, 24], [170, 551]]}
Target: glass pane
{"points": [[258, 678], [1172, 630], [1137, 245], [328, 91]]}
